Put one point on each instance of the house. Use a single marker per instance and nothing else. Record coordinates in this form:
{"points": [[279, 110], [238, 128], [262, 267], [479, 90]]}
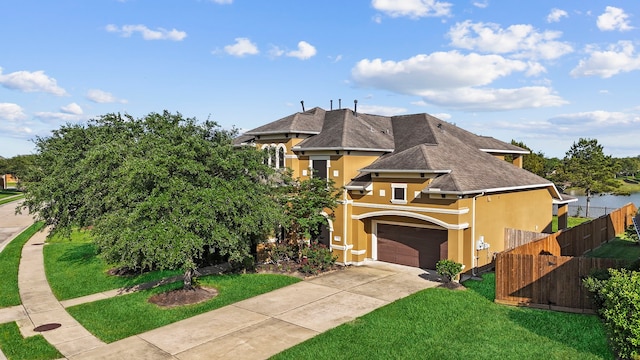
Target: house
{"points": [[414, 189]]}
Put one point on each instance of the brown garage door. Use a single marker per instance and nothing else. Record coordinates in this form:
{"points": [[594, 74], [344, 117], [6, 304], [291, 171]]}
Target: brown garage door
{"points": [[411, 246]]}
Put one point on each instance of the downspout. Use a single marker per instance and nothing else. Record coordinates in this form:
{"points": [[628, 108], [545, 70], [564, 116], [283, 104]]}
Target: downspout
{"points": [[473, 233], [344, 225]]}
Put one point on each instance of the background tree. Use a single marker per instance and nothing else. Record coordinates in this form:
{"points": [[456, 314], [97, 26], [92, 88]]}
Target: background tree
{"points": [[17, 165], [586, 166], [162, 192], [628, 166], [534, 162]]}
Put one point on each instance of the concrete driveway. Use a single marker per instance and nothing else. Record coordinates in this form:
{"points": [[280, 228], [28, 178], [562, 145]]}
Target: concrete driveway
{"points": [[11, 224], [267, 324]]}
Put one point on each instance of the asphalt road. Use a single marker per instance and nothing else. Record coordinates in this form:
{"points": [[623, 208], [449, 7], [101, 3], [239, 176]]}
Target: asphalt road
{"points": [[11, 224]]}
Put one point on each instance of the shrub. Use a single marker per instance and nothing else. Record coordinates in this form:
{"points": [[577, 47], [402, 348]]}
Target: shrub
{"points": [[281, 252], [316, 258], [618, 300], [448, 269]]}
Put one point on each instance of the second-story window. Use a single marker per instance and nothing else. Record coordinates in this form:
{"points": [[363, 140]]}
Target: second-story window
{"points": [[320, 169], [280, 157], [399, 193]]}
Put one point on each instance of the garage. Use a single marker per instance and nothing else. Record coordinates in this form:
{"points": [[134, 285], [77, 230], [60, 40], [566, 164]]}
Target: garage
{"points": [[412, 246]]}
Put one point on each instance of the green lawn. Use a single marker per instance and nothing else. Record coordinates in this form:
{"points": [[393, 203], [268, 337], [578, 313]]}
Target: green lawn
{"points": [[7, 196], [74, 270], [622, 247], [9, 263], [571, 222], [15, 347], [443, 324], [123, 316]]}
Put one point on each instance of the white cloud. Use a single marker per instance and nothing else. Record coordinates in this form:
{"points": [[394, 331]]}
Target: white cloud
{"points": [[598, 118], [222, 2], [442, 116], [381, 110], [148, 34], [439, 70], [275, 51], [454, 80], [556, 14], [242, 47], [335, 59], [522, 41], [377, 19], [413, 8], [103, 97], [11, 112], [72, 108], [612, 19], [304, 51], [36, 81], [481, 5], [487, 99], [57, 117], [619, 57]]}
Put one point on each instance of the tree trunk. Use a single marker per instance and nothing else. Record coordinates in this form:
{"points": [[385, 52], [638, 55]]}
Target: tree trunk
{"points": [[586, 214], [186, 282]]}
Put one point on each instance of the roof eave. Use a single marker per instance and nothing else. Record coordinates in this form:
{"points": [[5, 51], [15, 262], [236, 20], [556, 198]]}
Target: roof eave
{"points": [[494, 190], [418, 171], [258, 133], [341, 148], [502, 151]]}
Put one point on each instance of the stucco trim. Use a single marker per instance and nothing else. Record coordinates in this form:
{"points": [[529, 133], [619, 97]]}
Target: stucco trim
{"points": [[412, 215], [412, 208], [358, 252], [342, 247]]}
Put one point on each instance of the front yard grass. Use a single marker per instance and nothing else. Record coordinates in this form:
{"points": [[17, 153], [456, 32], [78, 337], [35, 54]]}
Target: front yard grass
{"points": [[123, 316], [73, 268], [15, 347], [622, 247], [9, 264], [444, 324]]}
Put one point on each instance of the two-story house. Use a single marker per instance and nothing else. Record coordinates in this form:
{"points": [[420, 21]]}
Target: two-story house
{"points": [[414, 189]]}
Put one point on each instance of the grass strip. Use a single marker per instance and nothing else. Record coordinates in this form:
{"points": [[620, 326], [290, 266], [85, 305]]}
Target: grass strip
{"points": [[74, 270], [16, 347], [7, 200], [9, 264], [622, 247], [439, 323], [123, 316]]}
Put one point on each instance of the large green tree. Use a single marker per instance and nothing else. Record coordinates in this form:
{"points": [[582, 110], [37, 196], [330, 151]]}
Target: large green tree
{"points": [[586, 166], [161, 192], [534, 162]]}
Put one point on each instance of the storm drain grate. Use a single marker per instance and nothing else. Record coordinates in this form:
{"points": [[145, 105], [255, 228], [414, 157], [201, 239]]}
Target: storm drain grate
{"points": [[47, 327]]}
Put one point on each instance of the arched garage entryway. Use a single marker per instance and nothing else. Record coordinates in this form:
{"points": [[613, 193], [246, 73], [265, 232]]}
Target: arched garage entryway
{"points": [[410, 245]]}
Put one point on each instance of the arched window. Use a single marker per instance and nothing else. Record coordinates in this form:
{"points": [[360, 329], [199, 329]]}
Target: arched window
{"points": [[268, 155], [280, 157]]}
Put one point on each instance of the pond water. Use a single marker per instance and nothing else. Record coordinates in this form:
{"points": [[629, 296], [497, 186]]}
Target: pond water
{"points": [[602, 204]]}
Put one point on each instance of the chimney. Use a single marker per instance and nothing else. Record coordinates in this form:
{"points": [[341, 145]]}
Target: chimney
{"points": [[302, 103], [355, 107]]}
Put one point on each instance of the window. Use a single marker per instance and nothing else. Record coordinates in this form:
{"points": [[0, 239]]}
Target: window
{"points": [[280, 157], [320, 169], [399, 193]]}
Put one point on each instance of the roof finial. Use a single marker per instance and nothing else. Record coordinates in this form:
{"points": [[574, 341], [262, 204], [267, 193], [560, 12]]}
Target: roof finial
{"points": [[302, 103], [331, 102], [355, 107], [339, 104]]}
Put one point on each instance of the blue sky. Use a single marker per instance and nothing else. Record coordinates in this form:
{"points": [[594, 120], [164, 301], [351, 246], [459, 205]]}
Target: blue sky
{"points": [[543, 72]]}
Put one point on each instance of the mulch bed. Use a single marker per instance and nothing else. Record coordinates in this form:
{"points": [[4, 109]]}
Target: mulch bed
{"points": [[182, 297]]}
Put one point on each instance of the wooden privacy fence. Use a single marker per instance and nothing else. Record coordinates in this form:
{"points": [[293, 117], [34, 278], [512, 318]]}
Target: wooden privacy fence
{"points": [[547, 273]]}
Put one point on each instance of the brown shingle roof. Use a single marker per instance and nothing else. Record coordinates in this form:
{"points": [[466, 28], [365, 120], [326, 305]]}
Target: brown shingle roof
{"points": [[345, 130], [308, 122]]}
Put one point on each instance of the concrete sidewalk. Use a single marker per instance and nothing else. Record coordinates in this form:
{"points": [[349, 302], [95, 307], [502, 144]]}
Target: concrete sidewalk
{"points": [[267, 324], [42, 307], [11, 224]]}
